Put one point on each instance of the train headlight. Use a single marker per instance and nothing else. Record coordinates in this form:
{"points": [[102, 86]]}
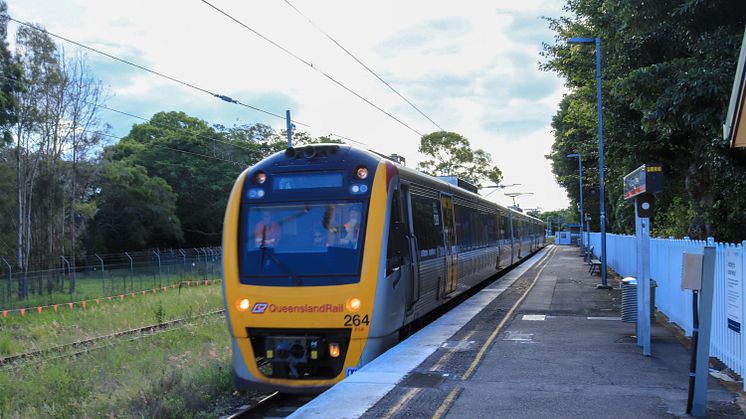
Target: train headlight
{"points": [[334, 350], [353, 304], [242, 304], [361, 172]]}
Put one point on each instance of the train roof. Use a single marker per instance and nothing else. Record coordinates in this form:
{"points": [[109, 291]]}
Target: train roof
{"points": [[443, 184], [347, 151]]}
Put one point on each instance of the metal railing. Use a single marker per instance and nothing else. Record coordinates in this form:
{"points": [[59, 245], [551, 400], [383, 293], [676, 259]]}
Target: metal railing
{"points": [[105, 275], [665, 268]]}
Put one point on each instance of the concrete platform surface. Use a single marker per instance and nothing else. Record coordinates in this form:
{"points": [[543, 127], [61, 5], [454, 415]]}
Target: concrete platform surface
{"points": [[559, 350]]}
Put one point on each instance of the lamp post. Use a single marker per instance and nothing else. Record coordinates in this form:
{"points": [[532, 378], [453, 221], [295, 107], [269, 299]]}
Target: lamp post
{"points": [[599, 105], [580, 178]]}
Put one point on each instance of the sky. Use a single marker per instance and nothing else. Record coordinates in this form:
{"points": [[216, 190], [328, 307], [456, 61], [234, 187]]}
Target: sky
{"points": [[472, 67]]}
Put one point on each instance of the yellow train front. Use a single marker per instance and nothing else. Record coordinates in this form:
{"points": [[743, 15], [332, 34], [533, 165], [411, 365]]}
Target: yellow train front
{"points": [[329, 251], [302, 242]]}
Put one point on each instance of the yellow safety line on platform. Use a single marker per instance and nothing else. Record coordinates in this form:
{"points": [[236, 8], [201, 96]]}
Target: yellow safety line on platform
{"points": [[407, 397], [448, 355], [505, 319], [447, 402]]}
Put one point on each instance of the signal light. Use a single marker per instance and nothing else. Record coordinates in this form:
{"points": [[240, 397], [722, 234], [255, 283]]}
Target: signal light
{"points": [[353, 304], [270, 354], [314, 354], [361, 172], [334, 350], [242, 304]]}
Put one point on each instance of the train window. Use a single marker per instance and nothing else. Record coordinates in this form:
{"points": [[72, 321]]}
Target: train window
{"points": [[490, 229], [427, 226], [505, 228]]}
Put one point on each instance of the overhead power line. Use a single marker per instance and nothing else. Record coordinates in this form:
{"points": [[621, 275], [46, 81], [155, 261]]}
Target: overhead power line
{"points": [[193, 153], [157, 73], [309, 64], [222, 97], [362, 64]]}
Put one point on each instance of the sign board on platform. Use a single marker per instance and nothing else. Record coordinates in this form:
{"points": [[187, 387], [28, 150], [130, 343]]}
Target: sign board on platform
{"points": [[691, 271], [647, 178], [733, 293]]}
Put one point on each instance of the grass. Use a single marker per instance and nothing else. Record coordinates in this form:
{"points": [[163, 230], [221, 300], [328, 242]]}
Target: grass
{"points": [[51, 289], [183, 373], [48, 329]]}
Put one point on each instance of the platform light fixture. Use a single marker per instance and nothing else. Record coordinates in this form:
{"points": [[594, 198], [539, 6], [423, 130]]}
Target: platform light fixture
{"points": [[602, 217]]}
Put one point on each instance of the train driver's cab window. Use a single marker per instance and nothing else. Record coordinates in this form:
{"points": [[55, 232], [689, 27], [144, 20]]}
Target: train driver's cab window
{"points": [[292, 240], [427, 226]]}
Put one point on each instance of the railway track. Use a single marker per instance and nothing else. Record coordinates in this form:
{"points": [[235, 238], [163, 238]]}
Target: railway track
{"points": [[87, 345], [272, 405]]}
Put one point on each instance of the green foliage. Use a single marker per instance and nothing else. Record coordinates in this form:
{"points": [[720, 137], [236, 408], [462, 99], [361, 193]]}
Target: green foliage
{"points": [[559, 218], [135, 210], [201, 184], [668, 69], [159, 313], [451, 155]]}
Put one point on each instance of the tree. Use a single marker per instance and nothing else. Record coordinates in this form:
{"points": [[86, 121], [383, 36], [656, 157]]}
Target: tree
{"points": [[667, 74], [451, 155], [135, 211]]}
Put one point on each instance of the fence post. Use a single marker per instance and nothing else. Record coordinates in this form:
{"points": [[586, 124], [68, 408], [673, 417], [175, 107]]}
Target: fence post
{"points": [[103, 275], [132, 272], [157, 255], [10, 284], [65, 262], [212, 263], [183, 264], [205, 270]]}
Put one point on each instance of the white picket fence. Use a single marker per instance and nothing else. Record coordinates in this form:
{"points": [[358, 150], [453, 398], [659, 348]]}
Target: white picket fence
{"points": [[665, 268]]}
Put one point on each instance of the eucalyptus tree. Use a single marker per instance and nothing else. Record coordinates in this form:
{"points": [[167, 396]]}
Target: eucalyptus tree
{"points": [[450, 154]]}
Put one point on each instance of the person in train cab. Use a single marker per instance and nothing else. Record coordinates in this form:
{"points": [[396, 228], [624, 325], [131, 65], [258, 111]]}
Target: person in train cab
{"points": [[266, 231], [351, 228]]}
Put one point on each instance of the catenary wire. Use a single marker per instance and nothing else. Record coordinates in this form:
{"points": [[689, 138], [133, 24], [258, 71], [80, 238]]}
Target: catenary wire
{"points": [[98, 105], [362, 64], [226, 98], [211, 138], [146, 69], [309, 64]]}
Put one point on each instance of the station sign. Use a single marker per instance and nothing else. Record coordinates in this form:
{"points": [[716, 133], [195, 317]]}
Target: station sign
{"points": [[646, 179]]}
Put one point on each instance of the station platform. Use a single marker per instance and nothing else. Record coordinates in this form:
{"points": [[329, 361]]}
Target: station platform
{"points": [[541, 341]]}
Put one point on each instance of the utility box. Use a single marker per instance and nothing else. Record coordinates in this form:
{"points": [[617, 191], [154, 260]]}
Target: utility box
{"points": [[691, 271]]}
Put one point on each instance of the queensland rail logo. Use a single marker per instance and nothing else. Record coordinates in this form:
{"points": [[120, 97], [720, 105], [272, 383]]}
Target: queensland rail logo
{"points": [[306, 308], [259, 308]]}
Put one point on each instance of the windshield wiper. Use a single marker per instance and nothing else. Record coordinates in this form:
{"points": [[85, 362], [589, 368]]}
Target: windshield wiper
{"points": [[275, 259]]}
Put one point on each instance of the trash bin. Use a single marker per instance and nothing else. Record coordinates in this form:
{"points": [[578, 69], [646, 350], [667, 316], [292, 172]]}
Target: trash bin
{"points": [[629, 300]]}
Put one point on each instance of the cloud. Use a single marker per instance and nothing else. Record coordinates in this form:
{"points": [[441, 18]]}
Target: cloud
{"points": [[472, 68]]}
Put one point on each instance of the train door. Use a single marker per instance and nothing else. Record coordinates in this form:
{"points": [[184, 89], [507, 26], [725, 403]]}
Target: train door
{"points": [[449, 241], [512, 238], [414, 251]]}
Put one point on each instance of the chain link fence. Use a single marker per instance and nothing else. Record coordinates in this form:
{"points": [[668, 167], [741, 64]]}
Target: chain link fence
{"points": [[98, 276]]}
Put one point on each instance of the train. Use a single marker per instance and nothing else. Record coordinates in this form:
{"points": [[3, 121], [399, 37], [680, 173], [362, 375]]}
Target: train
{"points": [[329, 251]]}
